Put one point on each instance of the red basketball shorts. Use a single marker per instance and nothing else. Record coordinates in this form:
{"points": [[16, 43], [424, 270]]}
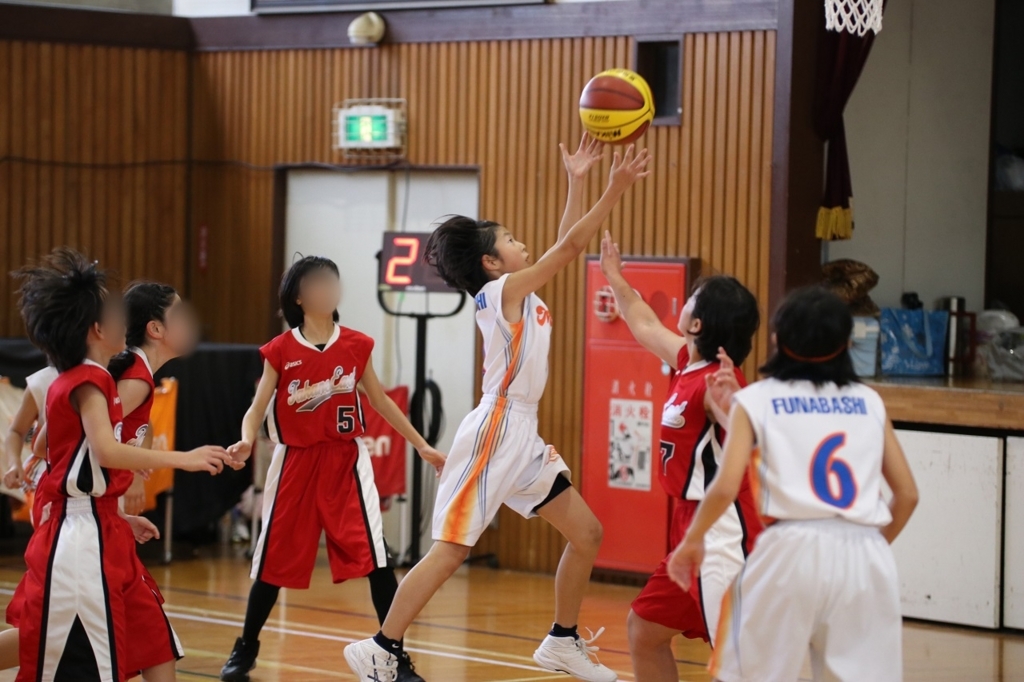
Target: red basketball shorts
{"points": [[150, 640], [327, 488], [695, 613]]}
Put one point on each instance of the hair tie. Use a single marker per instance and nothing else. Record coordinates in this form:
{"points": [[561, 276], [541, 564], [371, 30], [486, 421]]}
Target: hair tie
{"points": [[814, 361]]}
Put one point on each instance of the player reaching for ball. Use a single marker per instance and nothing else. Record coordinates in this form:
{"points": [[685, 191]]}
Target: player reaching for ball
{"points": [[716, 326], [822, 578], [497, 456]]}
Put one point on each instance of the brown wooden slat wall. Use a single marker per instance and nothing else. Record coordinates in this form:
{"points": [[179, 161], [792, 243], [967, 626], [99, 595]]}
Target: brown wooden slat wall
{"points": [[93, 144], [502, 106]]}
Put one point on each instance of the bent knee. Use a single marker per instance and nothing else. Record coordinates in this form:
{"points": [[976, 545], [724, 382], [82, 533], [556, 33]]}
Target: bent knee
{"points": [[592, 535], [453, 555], [645, 635]]}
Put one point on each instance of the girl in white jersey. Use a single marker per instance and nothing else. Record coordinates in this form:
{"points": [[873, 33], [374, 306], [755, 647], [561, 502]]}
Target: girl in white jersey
{"points": [[497, 457], [822, 577]]}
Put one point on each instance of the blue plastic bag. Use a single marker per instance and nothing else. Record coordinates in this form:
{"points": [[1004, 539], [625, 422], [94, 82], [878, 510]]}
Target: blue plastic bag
{"points": [[913, 342]]}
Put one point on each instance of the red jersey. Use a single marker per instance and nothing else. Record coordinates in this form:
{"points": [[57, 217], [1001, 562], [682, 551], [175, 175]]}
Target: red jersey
{"points": [[316, 399], [136, 422], [691, 443], [72, 470]]}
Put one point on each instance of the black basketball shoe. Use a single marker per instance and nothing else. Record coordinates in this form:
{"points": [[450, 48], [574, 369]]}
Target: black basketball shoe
{"points": [[240, 662], [406, 670]]}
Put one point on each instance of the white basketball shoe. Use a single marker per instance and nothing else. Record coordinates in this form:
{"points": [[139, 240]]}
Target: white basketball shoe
{"points": [[572, 656], [370, 662]]}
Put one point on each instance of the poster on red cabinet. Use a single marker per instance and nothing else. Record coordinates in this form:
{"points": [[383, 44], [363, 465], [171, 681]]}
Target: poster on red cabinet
{"points": [[629, 443]]}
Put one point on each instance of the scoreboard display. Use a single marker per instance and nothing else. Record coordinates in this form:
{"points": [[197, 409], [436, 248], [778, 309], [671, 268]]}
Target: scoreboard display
{"points": [[402, 267]]}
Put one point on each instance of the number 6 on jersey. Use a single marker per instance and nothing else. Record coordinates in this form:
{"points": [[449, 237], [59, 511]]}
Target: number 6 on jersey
{"points": [[831, 477]]}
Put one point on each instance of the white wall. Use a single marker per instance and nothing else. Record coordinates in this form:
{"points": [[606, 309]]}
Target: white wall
{"points": [[343, 216], [917, 129]]}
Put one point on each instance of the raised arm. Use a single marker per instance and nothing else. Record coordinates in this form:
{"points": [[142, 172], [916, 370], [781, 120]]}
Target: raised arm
{"points": [[641, 319], [577, 166], [626, 170], [896, 472], [379, 399]]}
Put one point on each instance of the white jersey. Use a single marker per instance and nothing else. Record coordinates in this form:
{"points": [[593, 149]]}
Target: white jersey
{"points": [[819, 451], [515, 355], [38, 384]]}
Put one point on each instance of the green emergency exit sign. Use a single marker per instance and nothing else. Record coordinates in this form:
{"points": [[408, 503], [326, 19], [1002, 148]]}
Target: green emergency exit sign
{"points": [[366, 128]]}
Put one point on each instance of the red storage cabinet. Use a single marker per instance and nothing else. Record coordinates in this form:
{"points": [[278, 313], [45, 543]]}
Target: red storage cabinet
{"points": [[623, 393]]}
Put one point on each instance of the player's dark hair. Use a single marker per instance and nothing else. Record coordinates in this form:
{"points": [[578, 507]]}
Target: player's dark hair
{"points": [[62, 297], [812, 335], [455, 250], [728, 317], [291, 282], [144, 302]]}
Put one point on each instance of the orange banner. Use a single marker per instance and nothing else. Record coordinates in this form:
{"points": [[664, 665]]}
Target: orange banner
{"points": [[163, 420]]}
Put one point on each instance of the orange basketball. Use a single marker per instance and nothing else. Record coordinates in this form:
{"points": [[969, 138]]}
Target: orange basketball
{"points": [[617, 106]]}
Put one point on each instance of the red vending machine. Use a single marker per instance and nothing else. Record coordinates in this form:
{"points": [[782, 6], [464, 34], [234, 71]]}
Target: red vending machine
{"points": [[623, 392]]}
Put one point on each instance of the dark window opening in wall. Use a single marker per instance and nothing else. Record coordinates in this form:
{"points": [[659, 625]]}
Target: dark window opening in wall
{"points": [[660, 62]]}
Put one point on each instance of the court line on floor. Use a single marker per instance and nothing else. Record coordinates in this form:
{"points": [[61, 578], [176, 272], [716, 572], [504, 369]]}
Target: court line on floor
{"points": [[338, 638], [265, 663], [418, 622], [239, 624], [355, 634]]}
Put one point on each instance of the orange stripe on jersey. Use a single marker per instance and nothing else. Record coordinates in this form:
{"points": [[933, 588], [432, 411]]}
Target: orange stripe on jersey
{"points": [[456, 523], [515, 353], [724, 625], [754, 476]]}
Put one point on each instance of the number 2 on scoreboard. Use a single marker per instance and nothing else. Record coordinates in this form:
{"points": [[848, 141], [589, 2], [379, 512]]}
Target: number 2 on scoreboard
{"points": [[395, 262], [832, 478]]}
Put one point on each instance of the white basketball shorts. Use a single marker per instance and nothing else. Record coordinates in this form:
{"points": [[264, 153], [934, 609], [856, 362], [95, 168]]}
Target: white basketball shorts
{"points": [[497, 458], [825, 587]]}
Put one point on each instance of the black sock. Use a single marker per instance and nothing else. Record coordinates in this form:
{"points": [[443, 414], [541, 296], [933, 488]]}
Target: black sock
{"points": [[390, 645], [383, 585], [262, 598], [559, 631]]}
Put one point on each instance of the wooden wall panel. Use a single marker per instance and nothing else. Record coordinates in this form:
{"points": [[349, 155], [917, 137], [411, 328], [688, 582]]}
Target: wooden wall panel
{"points": [[502, 106], [93, 144]]}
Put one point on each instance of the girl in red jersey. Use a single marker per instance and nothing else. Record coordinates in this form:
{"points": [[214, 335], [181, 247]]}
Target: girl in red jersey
{"points": [[80, 561], [716, 324], [320, 478], [160, 328]]}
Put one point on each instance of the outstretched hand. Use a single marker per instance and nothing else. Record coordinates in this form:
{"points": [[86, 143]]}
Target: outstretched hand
{"points": [[589, 153], [723, 384], [611, 259], [627, 168]]}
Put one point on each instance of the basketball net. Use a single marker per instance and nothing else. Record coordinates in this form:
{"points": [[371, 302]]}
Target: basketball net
{"points": [[853, 16]]}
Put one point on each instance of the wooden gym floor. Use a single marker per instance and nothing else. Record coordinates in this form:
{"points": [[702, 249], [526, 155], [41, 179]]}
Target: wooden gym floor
{"points": [[483, 626]]}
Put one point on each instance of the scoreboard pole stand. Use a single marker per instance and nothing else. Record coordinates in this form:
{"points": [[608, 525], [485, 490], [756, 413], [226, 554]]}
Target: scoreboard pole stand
{"points": [[403, 272]]}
